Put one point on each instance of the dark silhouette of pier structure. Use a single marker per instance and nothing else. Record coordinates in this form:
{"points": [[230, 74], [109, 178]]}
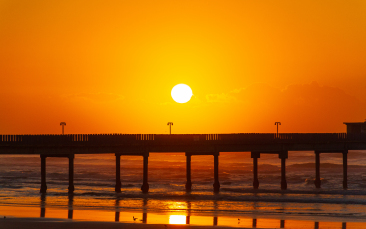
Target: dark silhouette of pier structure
{"points": [[192, 144]]}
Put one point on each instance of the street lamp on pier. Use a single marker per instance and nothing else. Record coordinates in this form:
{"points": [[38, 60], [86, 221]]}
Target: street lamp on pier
{"points": [[277, 123], [170, 127], [62, 124]]}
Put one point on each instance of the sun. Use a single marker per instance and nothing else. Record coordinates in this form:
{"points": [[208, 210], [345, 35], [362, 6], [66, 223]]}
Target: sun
{"points": [[181, 93]]}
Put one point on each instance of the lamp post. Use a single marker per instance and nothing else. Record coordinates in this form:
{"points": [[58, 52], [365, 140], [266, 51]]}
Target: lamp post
{"points": [[62, 124], [170, 127], [277, 123]]}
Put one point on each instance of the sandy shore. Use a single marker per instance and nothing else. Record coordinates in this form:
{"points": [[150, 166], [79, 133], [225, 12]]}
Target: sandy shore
{"points": [[47, 223], [38, 223]]}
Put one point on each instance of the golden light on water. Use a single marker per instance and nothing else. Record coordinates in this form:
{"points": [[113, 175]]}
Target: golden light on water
{"points": [[177, 219]]}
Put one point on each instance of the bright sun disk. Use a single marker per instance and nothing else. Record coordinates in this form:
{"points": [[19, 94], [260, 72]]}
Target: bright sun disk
{"points": [[181, 93]]}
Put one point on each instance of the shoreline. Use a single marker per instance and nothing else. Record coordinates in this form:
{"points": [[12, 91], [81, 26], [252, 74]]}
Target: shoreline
{"points": [[45, 223], [31, 217]]}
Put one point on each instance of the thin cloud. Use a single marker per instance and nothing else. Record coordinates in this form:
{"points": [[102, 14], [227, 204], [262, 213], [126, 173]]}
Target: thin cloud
{"points": [[96, 97]]}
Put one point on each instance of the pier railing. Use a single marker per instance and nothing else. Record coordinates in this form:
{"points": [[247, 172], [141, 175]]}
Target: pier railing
{"points": [[240, 138]]}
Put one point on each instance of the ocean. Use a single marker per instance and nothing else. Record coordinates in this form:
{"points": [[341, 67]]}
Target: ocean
{"points": [[237, 204]]}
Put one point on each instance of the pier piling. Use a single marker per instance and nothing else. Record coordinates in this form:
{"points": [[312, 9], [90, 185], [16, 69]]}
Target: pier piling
{"points": [[255, 157], [216, 184], [283, 157], [118, 173], [71, 174], [345, 185], [145, 185], [317, 169], [188, 170], [43, 174]]}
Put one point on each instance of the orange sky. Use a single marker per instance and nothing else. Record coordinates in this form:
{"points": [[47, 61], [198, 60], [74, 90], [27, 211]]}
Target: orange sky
{"points": [[109, 66]]}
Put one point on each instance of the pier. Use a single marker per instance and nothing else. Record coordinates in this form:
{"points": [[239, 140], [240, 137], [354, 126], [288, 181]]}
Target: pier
{"points": [[190, 144]]}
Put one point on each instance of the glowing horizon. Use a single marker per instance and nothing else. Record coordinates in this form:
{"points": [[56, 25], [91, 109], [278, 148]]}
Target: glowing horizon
{"points": [[110, 67]]}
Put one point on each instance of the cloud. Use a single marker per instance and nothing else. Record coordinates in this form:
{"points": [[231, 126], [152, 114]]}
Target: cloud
{"points": [[255, 92], [95, 97], [221, 98], [306, 107]]}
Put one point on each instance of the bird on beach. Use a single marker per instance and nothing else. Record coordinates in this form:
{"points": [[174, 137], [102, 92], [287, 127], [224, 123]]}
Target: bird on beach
{"points": [[238, 221], [134, 219]]}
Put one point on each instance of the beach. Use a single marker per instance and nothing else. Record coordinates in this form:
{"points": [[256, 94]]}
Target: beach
{"points": [[43, 223], [94, 203]]}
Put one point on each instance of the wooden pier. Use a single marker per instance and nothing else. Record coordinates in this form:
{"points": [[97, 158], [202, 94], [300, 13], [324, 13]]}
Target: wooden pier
{"points": [[192, 144]]}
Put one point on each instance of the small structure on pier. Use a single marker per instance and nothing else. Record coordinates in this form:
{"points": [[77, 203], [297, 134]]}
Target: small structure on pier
{"points": [[355, 127]]}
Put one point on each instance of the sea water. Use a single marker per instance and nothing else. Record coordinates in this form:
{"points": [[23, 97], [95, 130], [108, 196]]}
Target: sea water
{"points": [[237, 204]]}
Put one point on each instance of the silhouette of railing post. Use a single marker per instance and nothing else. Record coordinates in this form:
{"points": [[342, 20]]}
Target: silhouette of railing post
{"points": [[216, 184], [283, 156], [71, 174], [43, 174], [255, 156], [317, 169], [345, 185], [188, 170], [145, 185], [118, 173]]}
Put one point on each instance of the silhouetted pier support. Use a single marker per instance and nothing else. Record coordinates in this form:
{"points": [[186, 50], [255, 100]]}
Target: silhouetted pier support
{"points": [[188, 170], [255, 157], [216, 184], [345, 183], [118, 173], [317, 181], [317, 169], [145, 185], [71, 171], [283, 157], [43, 174], [71, 174]]}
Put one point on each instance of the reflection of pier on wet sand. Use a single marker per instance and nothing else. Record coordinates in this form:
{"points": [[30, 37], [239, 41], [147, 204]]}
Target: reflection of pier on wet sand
{"points": [[185, 218], [192, 144]]}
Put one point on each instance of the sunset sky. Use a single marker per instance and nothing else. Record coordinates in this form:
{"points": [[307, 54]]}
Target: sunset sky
{"points": [[109, 66]]}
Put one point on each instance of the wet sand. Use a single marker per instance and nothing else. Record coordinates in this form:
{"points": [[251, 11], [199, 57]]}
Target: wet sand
{"points": [[46, 223], [38, 223]]}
